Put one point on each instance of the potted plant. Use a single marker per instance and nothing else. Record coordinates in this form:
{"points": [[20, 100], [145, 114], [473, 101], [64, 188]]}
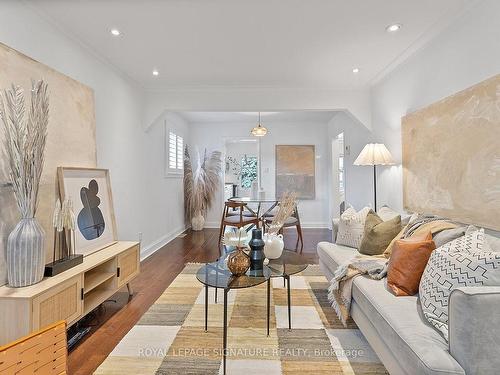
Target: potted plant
{"points": [[200, 186], [25, 138]]}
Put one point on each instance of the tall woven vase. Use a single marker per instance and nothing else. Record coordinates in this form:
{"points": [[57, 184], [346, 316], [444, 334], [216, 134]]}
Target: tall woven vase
{"points": [[26, 254]]}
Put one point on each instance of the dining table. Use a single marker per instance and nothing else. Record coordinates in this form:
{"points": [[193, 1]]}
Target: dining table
{"points": [[259, 201]]}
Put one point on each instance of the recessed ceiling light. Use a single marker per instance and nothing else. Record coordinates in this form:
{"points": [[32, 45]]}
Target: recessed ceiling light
{"points": [[394, 27], [156, 72], [115, 32], [355, 70]]}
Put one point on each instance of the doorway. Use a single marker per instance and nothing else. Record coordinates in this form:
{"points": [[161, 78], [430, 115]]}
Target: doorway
{"points": [[241, 177], [338, 176]]}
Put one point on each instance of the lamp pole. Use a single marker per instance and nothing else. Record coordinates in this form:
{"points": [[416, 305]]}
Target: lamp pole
{"points": [[375, 185]]}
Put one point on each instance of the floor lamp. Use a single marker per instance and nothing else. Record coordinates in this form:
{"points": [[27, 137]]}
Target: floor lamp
{"points": [[374, 154]]}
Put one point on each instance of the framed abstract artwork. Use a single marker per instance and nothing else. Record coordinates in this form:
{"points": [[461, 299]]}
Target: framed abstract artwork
{"points": [[295, 170], [90, 192]]}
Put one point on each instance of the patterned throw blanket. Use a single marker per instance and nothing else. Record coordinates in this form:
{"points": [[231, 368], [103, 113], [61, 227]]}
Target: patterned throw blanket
{"points": [[340, 290]]}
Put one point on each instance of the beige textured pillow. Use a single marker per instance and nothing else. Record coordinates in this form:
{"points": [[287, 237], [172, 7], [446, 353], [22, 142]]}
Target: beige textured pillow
{"points": [[352, 227], [378, 234], [386, 213]]}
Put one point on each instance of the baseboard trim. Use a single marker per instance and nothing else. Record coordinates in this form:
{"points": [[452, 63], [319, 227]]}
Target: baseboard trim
{"points": [[154, 247]]}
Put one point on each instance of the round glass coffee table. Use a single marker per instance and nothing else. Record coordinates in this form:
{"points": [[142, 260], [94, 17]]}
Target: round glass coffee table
{"points": [[288, 264], [217, 275]]}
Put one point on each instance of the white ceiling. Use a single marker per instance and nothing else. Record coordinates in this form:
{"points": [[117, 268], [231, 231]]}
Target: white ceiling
{"points": [[251, 43], [252, 117]]}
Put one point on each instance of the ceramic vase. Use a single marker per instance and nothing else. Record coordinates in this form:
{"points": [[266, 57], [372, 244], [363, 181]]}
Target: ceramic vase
{"points": [[198, 222], [26, 254], [256, 250], [274, 245], [238, 262]]}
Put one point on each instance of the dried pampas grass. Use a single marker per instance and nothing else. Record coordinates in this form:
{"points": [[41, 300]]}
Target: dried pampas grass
{"points": [[201, 184], [286, 208], [25, 140]]}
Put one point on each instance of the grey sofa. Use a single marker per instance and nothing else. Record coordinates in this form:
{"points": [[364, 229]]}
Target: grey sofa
{"points": [[400, 335]]}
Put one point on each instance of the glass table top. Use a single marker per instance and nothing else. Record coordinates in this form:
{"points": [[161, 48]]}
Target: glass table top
{"points": [[217, 275], [254, 200], [289, 263]]}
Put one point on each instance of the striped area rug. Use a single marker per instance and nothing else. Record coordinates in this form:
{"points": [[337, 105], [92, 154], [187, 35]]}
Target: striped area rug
{"points": [[170, 337]]}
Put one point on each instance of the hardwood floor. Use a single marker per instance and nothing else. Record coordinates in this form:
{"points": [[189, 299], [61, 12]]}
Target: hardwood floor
{"points": [[117, 316]]}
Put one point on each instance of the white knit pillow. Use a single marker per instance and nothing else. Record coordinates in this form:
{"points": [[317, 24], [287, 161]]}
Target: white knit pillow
{"points": [[466, 261], [352, 227]]}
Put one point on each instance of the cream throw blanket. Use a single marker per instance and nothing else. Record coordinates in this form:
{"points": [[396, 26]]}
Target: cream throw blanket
{"points": [[340, 290]]}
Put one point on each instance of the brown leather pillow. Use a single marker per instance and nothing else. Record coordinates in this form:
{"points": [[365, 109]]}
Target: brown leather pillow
{"points": [[407, 263]]}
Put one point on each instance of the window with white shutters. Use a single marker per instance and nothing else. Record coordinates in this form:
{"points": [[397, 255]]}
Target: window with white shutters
{"points": [[175, 153]]}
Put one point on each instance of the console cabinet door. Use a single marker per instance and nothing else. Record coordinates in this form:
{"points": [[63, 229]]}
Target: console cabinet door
{"points": [[128, 265], [62, 302]]}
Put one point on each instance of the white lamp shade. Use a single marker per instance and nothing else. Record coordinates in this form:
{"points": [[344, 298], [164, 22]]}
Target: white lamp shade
{"points": [[374, 154]]}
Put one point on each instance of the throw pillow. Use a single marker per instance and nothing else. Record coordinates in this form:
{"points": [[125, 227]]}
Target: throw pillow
{"points": [[407, 264], [466, 261], [386, 213], [352, 227], [448, 235], [378, 234], [420, 226]]}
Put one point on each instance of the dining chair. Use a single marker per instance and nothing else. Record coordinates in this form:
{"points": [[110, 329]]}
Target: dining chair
{"points": [[292, 221], [235, 215]]}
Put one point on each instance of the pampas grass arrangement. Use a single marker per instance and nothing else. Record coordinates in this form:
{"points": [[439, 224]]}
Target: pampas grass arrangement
{"points": [[25, 142], [25, 138], [286, 208], [200, 185]]}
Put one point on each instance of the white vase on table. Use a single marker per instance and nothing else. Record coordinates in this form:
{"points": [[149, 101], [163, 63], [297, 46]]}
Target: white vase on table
{"points": [[274, 245]]}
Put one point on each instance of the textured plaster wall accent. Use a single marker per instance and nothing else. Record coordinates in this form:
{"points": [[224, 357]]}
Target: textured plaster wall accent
{"points": [[451, 156]]}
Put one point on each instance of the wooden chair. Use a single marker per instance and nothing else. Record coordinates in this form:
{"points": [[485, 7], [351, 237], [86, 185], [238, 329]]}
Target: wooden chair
{"points": [[235, 215], [292, 221], [43, 352]]}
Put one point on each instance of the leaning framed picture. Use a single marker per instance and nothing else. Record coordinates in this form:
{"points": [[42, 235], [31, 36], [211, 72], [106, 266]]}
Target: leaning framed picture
{"points": [[90, 191]]}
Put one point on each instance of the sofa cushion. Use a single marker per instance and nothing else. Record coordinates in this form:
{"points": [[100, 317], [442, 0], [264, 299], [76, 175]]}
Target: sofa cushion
{"points": [[386, 213], [407, 264], [378, 233], [352, 227], [466, 261], [494, 242], [334, 255], [448, 235], [402, 327]]}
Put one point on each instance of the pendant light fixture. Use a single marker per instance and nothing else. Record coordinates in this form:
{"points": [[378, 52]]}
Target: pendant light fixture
{"points": [[259, 130]]}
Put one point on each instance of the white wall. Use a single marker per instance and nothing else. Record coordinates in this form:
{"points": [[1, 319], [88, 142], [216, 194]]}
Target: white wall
{"points": [[144, 200], [313, 213], [358, 179], [466, 53]]}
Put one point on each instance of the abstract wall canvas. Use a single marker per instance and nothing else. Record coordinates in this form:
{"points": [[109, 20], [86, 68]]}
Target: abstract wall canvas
{"points": [[70, 140], [90, 191], [451, 156], [295, 170]]}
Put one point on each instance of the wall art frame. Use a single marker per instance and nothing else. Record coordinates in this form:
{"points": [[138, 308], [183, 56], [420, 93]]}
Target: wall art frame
{"points": [[90, 191], [296, 170]]}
